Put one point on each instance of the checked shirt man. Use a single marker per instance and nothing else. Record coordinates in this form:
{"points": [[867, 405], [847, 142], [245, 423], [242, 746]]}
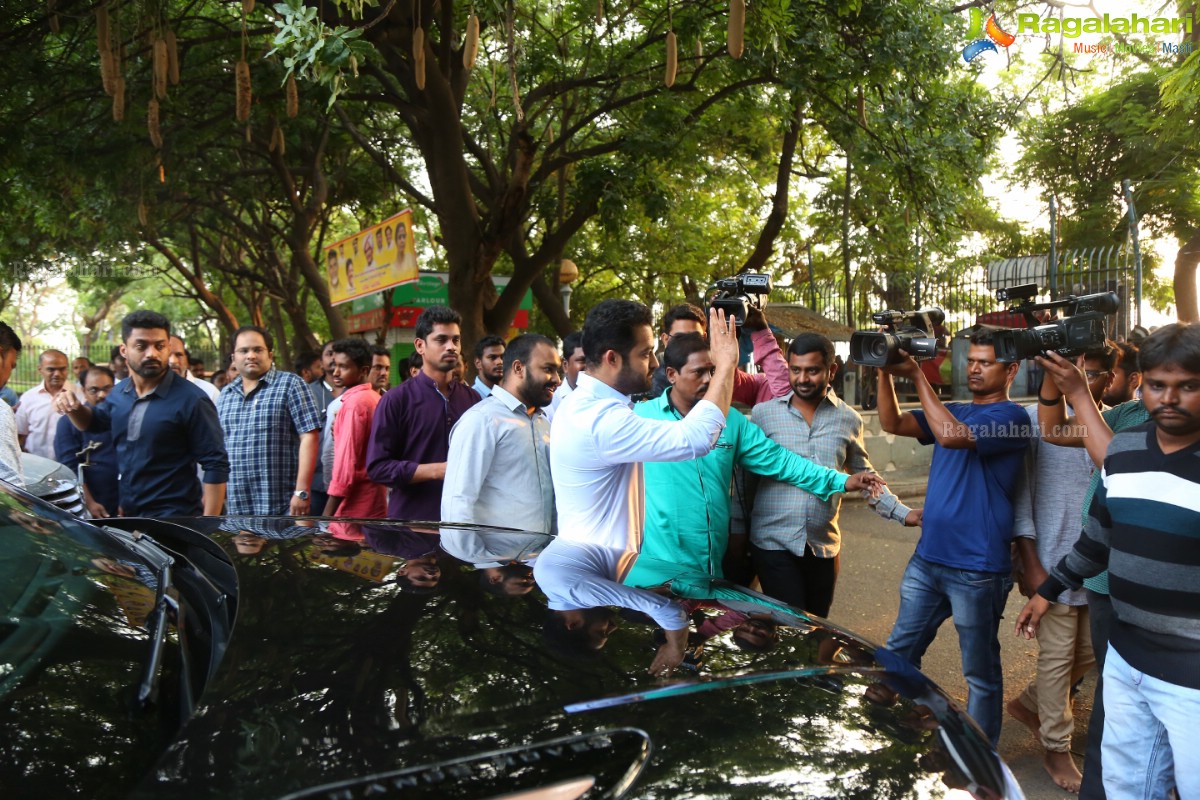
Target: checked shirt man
{"points": [[272, 431]]}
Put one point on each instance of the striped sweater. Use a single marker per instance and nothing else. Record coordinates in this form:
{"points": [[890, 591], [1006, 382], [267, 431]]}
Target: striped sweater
{"points": [[1144, 527]]}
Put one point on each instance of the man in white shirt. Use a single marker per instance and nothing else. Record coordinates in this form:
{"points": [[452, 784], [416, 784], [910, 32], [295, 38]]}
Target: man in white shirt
{"points": [[489, 364], [597, 450], [498, 467], [37, 421], [179, 360]]}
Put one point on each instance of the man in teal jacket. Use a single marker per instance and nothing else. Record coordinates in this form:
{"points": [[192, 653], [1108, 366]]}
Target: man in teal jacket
{"points": [[687, 502]]}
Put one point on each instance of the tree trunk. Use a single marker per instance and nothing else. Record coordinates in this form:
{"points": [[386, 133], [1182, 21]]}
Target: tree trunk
{"points": [[550, 302], [779, 204], [283, 348], [1186, 261]]}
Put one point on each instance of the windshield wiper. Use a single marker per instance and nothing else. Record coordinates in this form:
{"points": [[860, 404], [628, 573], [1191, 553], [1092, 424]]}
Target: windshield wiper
{"points": [[164, 605]]}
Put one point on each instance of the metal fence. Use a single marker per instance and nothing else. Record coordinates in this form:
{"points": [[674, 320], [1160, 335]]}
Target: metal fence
{"points": [[970, 293], [25, 374]]}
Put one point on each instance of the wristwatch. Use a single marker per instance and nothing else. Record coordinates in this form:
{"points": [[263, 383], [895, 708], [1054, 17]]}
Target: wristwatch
{"points": [[303, 495]]}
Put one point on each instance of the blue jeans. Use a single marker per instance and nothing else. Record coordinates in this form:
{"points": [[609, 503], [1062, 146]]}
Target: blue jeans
{"points": [[929, 595], [1150, 740]]}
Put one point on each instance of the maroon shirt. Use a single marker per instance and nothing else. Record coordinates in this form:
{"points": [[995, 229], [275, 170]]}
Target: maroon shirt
{"points": [[412, 426]]}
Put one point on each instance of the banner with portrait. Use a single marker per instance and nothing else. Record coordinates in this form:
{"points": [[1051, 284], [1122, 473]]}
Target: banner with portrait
{"points": [[372, 260]]}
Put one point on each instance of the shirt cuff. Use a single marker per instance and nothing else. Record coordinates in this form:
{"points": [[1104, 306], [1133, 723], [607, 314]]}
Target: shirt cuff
{"points": [[216, 476], [1051, 588]]}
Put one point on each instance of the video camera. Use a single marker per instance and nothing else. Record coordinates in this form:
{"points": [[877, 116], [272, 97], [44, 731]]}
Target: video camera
{"points": [[1081, 328], [910, 331], [732, 295]]}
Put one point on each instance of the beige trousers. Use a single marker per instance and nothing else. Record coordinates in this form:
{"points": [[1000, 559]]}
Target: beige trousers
{"points": [[1064, 656]]}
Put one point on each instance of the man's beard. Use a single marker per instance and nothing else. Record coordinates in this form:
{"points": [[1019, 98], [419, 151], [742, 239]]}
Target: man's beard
{"points": [[817, 390], [148, 370], [533, 393], [631, 381]]}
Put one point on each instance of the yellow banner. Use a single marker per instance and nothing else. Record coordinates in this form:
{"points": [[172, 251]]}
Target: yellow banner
{"points": [[372, 260], [372, 566]]}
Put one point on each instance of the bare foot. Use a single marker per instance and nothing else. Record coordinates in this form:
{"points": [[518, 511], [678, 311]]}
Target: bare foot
{"points": [[1063, 771], [1021, 714]]}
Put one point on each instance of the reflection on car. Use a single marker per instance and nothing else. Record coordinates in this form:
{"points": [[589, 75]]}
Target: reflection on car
{"points": [[281, 658]]}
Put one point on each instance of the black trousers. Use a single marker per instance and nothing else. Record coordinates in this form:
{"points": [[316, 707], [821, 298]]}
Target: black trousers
{"points": [[806, 581], [1100, 613]]}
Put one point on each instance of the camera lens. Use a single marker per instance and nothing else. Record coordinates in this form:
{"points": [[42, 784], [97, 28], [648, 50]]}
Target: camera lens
{"points": [[878, 348]]}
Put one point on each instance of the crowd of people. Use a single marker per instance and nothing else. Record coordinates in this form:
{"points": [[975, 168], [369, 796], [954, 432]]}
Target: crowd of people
{"points": [[647, 472]]}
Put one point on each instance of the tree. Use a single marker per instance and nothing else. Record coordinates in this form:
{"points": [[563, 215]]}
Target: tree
{"points": [[567, 117], [563, 139], [1083, 153], [238, 211]]}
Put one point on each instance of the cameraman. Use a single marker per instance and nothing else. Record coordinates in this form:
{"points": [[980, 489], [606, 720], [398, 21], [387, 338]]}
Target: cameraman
{"points": [[962, 567], [748, 389]]}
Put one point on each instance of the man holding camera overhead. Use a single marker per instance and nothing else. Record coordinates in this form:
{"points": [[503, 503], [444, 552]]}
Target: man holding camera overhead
{"points": [[771, 381], [962, 567]]}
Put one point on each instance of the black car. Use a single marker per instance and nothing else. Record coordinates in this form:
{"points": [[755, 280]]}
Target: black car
{"points": [[266, 658]]}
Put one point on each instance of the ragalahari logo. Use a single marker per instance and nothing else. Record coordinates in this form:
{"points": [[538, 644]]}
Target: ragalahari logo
{"points": [[984, 37]]}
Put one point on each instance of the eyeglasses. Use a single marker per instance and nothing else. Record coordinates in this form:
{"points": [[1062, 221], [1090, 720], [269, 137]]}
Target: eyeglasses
{"points": [[1093, 374]]}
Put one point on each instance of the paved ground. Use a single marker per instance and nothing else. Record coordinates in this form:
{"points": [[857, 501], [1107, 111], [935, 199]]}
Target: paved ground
{"points": [[874, 554]]}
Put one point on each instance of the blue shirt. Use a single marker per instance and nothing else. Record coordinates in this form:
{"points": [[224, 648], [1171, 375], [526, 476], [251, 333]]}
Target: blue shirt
{"points": [[262, 432], [101, 474], [968, 521], [174, 427]]}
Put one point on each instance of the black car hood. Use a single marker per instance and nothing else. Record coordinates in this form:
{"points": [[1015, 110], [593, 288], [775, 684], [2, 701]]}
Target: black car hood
{"points": [[346, 678]]}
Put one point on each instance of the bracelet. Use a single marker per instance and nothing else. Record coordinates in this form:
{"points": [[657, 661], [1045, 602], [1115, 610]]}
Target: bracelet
{"points": [[1046, 402]]}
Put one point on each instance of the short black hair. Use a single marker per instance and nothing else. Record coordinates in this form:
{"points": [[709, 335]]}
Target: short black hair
{"points": [[573, 644], [810, 342], [683, 311], [610, 325], [1176, 344], [681, 348], [1127, 358], [9, 339], [94, 370], [114, 353], [85, 358], [983, 338], [413, 361], [491, 340], [380, 350], [574, 339], [435, 315], [305, 360], [1106, 353], [260, 330], [521, 348], [357, 350], [145, 320]]}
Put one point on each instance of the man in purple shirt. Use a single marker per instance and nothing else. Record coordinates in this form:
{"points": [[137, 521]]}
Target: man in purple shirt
{"points": [[410, 435]]}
